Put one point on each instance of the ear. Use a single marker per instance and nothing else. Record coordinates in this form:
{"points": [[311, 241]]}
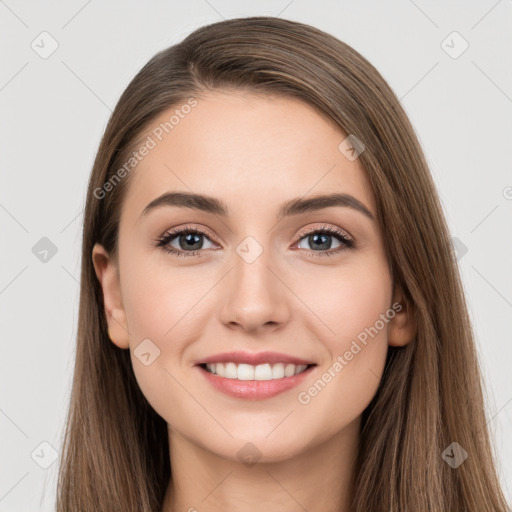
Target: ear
{"points": [[402, 327], [108, 276]]}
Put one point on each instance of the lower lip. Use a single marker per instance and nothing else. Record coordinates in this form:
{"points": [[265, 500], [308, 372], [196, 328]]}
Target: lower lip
{"points": [[255, 389]]}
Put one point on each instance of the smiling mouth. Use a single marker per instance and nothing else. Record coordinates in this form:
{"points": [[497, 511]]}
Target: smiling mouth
{"points": [[260, 372]]}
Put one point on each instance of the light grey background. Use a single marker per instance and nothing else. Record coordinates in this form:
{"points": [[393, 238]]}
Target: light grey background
{"points": [[54, 111]]}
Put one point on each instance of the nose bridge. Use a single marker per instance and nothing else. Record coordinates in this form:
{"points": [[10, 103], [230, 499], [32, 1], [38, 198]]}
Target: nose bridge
{"points": [[254, 295]]}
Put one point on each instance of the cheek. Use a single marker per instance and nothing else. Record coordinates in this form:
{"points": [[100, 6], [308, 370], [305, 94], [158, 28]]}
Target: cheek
{"points": [[342, 302], [162, 311], [161, 302], [165, 310], [353, 306]]}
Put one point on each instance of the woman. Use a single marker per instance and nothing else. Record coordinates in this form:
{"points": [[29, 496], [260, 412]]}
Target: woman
{"points": [[271, 314]]}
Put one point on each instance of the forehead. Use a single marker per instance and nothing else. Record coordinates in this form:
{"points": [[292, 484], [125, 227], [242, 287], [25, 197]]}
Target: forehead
{"points": [[250, 150]]}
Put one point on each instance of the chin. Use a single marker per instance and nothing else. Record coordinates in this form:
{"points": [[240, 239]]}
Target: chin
{"points": [[258, 446]]}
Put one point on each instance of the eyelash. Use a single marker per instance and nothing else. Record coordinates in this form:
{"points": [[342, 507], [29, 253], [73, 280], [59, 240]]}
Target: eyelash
{"points": [[163, 241]]}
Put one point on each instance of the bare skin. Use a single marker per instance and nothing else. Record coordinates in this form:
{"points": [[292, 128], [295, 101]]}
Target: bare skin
{"points": [[253, 152]]}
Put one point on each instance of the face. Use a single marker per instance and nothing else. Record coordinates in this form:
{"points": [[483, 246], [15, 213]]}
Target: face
{"points": [[309, 283]]}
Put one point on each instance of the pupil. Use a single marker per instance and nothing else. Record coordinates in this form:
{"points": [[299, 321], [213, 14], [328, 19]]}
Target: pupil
{"points": [[313, 239], [189, 242]]}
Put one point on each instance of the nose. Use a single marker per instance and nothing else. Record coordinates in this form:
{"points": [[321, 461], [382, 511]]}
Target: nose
{"points": [[254, 297]]}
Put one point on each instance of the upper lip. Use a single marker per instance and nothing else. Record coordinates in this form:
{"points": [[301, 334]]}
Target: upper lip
{"points": [[254, 358]]}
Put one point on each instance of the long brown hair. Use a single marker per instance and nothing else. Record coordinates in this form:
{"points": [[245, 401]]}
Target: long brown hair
{"points": [[115, 452]]}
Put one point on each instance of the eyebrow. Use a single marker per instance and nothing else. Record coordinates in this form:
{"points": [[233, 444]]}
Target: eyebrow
{"points": [[295, 206]]}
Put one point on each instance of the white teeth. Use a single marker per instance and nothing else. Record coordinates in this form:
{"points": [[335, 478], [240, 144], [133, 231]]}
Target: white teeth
{"points": [[263, 372], [289, 370], [260, 372], [278, 371], [230, 371], [300, 368], [243, 372]]}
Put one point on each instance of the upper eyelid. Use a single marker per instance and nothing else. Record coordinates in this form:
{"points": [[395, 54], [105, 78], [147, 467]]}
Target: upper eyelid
{"points": [[332, 230]]}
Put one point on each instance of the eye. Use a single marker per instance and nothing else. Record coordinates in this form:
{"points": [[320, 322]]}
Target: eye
{"points": [[189, 241], [321, 238]]}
